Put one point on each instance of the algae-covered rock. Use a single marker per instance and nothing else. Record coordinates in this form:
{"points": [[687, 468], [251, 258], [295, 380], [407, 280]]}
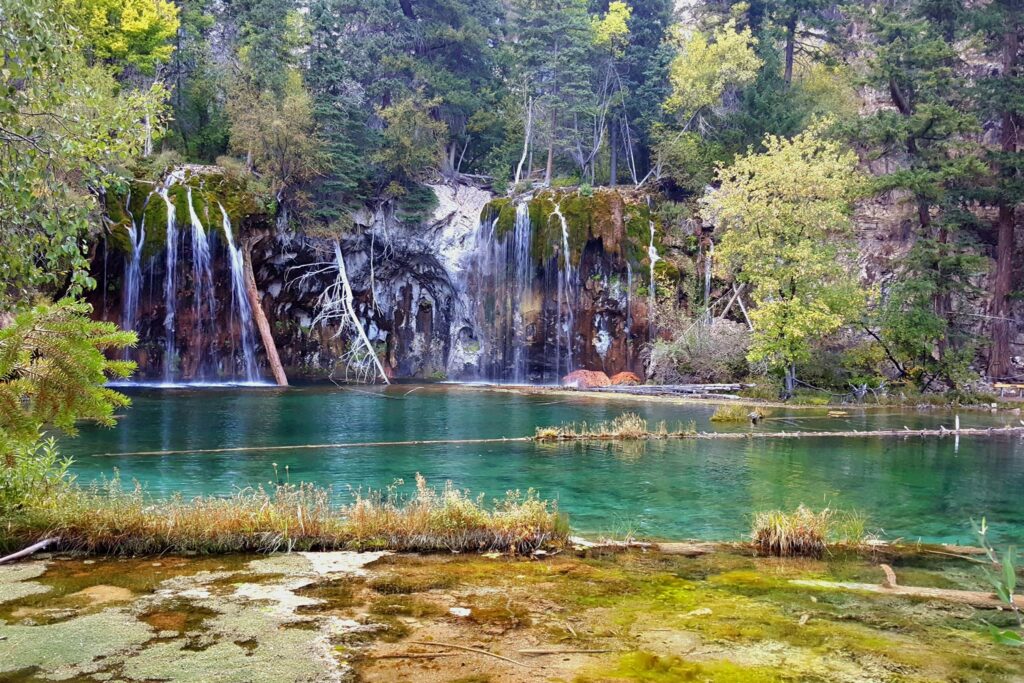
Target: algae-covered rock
{"points": [[70, 648], [15, 581]]}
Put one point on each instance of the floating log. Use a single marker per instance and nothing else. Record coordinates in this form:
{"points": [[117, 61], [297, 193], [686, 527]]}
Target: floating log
{"points": [[650, 436]]}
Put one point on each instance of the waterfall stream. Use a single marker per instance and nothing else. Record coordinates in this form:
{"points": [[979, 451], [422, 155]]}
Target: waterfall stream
{"points": [[241, 311], [652, 293], [170, 282], [203, 303], [133, 272], [566, 298]]}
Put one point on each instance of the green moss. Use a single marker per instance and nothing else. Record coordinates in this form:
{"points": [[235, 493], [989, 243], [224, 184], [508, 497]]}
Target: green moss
{"points": [[411, 582], [645, 666]]}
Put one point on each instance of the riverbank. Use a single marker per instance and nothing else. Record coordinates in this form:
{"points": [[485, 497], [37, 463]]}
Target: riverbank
{"points": [[578, 616]]}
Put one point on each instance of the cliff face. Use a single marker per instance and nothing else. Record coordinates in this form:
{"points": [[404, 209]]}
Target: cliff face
{"points": [[483, 289]]}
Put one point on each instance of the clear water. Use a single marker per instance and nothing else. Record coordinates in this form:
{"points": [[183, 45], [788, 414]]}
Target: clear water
{"points": [[914, 488]]}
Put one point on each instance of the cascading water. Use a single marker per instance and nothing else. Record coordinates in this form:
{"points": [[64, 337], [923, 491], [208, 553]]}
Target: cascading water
{"points": [[522, 236], [502, 284], [203, 303], [170, 282], [133, 273], [241, 310], [652, 253], [566, 299]]}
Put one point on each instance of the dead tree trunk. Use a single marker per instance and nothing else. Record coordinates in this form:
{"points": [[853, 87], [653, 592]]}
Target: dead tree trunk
{"points": [[260, 316]]}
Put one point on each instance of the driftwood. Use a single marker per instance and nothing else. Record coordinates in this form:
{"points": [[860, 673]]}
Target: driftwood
{"points": [[468, 649], [540, 652], [889, 586], [414, 655], [34, 548], [709, 391]]}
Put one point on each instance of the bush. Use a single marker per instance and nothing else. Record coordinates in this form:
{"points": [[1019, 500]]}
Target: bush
{"points": [[699, 352]]}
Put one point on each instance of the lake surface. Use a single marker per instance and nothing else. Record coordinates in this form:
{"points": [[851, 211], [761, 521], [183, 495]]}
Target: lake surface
{"points": [[909, 488]]}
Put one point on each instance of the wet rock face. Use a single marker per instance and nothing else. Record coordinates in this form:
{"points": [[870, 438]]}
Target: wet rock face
{"points": [[505, 290]]}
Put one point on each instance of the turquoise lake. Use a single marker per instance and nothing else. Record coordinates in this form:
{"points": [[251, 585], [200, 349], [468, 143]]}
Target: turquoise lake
{"points": [[911, 488]]}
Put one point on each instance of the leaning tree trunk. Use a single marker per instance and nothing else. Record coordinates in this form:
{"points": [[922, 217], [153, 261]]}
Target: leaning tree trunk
{"points": [[260, 316], [999, 355]]}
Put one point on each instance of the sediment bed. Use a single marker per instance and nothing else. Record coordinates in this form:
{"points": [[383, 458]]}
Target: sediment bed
{"points": [[589, 616]]}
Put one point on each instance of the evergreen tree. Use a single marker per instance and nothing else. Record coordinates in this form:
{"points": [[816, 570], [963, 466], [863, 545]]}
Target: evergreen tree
{"points": [[553, 41], [926, 132], [1001, 99]]}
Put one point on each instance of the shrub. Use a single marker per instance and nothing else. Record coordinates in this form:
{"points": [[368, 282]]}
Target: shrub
{"points": [[699, 352]]}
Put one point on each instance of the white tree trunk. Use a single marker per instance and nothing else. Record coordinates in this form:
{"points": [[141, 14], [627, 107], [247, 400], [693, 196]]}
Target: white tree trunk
{"points": [[348, 303]]}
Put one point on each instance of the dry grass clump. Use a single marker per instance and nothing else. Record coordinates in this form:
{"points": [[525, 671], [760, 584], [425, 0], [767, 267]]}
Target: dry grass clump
{"points": [[286, 517], [625, 427], [802, 533], [737, 413], [805, 533]]}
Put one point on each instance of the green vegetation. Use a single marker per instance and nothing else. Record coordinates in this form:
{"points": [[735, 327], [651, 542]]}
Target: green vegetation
{"points": [[785, 213]]}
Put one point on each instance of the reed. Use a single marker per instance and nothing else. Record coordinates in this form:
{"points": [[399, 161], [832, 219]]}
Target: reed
{"points": [[625, 427], [108, 519]]}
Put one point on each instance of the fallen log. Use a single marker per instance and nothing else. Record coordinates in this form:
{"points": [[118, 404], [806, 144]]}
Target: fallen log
{"points": [[34, 548], [978, 599]]}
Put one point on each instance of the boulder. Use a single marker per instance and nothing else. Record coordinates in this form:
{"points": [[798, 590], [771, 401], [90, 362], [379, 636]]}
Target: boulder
{"points": [[586, 379], [628, 379]]}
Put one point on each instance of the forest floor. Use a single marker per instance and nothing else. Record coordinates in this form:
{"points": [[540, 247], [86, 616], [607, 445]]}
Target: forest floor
{"points": [[723, 615]]}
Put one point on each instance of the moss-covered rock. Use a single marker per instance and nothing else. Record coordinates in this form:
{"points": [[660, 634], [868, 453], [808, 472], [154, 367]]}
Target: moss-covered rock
{"points": [[246, 203]]}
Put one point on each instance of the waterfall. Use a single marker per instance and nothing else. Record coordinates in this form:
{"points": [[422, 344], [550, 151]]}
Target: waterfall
{"points": [[501, 284], [241, 310], [133, 273], [170, 283], [566, 299], [652, 253], [202, 272], [522, 237]]}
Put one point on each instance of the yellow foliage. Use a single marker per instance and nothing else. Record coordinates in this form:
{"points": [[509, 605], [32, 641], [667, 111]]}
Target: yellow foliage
{"points": [[704, 68], [611, 31], [784, 216], [125, 32]]}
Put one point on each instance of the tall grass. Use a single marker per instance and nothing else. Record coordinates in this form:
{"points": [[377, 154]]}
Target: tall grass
{"points": [[108, 519], [737, 413], [804, 532]]}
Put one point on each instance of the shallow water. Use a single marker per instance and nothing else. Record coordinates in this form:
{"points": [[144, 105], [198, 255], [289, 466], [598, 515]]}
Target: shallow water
{"points": [[914, 488]]}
